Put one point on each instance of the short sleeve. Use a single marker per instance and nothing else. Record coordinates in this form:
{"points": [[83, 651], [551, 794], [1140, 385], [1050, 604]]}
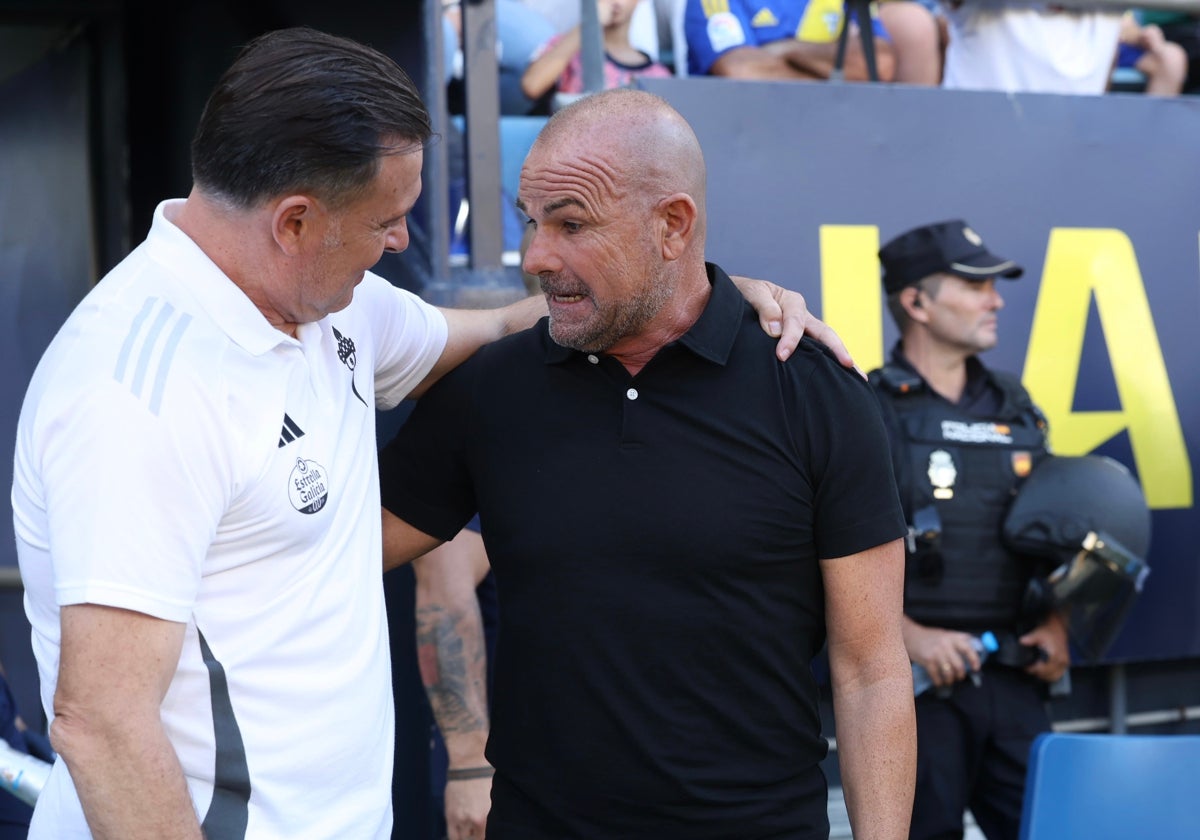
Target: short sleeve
{"points": [[423, 472], [856, 502], [409, 336], [133, 499]]}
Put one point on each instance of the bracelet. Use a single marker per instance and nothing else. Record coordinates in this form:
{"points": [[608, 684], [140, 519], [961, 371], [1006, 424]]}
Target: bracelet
{"points": [[464, 773]]}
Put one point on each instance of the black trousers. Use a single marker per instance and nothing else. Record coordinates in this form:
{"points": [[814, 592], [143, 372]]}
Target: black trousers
{"points": [[972, 752]]}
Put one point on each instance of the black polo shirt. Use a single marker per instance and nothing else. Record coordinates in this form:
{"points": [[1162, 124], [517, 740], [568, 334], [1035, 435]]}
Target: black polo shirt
{"points": [[655, 541]]}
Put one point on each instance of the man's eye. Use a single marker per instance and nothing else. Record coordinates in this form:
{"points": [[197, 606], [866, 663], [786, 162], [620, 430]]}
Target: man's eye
{"points": [[572, 227]]}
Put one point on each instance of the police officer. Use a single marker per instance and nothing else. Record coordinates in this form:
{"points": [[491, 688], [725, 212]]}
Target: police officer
{"points": [[963, 438]]}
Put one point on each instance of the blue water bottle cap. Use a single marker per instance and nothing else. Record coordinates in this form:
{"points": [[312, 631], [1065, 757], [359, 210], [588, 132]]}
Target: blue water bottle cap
{"points": [[989, 642]]}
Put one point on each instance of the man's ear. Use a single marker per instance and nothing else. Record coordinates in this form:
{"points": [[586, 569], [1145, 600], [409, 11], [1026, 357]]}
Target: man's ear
{"points": [[679, 215], [910, 299], [293, 222]]}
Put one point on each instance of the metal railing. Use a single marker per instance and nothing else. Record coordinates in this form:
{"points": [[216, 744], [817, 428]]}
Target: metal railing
{"points": [[480, 78], [483, 113]]}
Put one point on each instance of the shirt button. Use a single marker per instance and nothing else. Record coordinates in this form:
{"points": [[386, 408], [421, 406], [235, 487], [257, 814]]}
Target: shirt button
{"points": [[593, 358], [632, 393]]}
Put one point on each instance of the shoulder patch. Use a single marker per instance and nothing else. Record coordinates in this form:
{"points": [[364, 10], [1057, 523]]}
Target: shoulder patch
{"points": [[896, 380], [725, 31]]}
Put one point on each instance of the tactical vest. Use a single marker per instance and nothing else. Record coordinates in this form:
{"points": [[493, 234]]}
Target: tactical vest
{"points": [[957, 475]]}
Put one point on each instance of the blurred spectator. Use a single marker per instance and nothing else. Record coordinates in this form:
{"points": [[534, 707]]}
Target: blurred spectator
{"points": [[1184, 30], [918, 35], [520, 30], [558, 64], [1144, 48], [793, 39], [1030, 47], [643, 26]]}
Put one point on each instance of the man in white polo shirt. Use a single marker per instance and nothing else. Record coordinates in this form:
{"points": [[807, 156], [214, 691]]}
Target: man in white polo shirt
{"points": [[196, 498], [195, 495]]}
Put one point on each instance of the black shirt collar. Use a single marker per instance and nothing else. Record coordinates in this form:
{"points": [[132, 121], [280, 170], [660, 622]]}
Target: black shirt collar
{"points": [[979, 382], [711, 337]]}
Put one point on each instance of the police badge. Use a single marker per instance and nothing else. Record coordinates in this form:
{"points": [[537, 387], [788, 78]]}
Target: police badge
{"points": [[942, 474]]}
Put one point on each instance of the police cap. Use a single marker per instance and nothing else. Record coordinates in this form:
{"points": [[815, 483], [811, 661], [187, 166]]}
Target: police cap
{"points": [[951, 247]]}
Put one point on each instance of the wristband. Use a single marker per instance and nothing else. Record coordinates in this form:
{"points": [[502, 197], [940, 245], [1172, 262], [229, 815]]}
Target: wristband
{"points": [[464, 773]]}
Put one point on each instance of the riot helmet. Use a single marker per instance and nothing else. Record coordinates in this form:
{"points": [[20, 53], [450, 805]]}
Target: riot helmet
{"points": [[1088, 514]]}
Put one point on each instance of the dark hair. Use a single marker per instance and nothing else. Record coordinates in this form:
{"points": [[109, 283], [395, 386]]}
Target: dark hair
{"points": [[930, 285], [304, 111]]}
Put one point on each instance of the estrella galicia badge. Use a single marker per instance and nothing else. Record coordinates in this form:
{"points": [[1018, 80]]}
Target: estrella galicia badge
{"points": [[346, 356], [308, 486]]}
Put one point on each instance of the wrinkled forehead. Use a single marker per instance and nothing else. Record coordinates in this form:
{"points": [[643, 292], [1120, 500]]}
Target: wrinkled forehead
{"points": [[570, 171]]}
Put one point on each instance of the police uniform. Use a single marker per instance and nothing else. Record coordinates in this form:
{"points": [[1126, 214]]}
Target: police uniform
{"points": [[958, 465]]}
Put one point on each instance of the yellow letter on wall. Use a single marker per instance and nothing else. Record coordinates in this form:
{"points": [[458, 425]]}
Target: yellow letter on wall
{"points": [[1079, 262], [851, 296]]}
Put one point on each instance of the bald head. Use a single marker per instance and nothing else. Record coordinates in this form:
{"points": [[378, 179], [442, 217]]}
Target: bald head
{"points": [[614, 190], [638, 137]]}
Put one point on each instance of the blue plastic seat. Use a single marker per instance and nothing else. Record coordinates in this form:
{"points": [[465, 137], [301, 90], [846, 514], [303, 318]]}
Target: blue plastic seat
{"points": [[1113, 787]]}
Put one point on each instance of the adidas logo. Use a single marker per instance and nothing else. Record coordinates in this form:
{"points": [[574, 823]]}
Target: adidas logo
{"points": [[289, 432], [764, 18]]}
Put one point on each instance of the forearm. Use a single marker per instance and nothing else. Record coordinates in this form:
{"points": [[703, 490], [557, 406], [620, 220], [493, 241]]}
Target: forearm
{"points": [[806, 58], [544, 71], [453, 663], [114, 669], [522, 315], [757, 63], [470, 329], [877, 751], [128, 778], [812, 60], [872, 689]]}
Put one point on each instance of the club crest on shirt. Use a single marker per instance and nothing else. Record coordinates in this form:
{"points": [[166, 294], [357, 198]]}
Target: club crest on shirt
{"points": [[725, 32], [347, 356], [308, 486]]}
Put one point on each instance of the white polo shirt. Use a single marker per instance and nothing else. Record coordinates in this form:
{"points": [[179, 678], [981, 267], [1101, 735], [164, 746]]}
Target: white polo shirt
{"points": [[178, 456]]}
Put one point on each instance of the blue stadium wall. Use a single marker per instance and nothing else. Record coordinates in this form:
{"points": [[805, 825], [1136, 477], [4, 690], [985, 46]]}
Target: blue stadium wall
{"points": [[1095, 196]]}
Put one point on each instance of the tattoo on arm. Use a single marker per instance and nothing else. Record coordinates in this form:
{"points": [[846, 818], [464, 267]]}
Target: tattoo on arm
{"points": [[453, 663]]}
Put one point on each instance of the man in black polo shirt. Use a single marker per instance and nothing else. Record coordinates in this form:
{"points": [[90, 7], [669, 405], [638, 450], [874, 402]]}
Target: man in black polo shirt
{"points": [[677, 522]]}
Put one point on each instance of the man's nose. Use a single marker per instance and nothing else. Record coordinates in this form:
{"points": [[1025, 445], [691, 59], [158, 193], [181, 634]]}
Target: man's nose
{"points": [[539, 256], [397, 238]]}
